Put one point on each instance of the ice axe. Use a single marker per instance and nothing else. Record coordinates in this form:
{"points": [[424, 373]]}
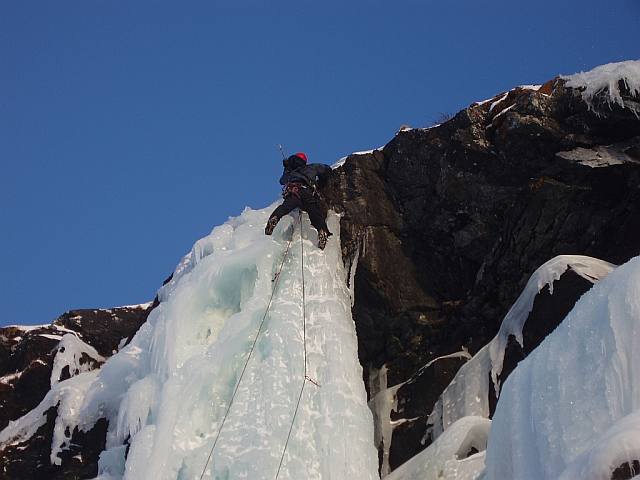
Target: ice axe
{"points": [[282, 151]]}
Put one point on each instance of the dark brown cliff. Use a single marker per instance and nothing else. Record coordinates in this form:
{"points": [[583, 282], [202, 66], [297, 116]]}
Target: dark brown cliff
{"points": [[448, 223]]}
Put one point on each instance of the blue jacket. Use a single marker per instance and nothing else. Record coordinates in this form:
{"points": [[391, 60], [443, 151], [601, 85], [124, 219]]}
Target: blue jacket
{"points": [[307, 174]]}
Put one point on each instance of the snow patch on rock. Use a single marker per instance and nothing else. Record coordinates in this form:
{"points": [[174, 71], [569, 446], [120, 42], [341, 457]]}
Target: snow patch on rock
{"points": [[342, 161], [606, 79], [71, 352]]}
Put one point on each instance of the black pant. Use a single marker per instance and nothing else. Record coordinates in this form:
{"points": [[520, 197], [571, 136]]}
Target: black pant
{"points": [[308, 202]]}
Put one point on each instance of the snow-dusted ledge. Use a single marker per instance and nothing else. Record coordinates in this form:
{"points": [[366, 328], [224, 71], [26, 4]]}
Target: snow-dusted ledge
{"points": [[341, 162], [606, 78]]}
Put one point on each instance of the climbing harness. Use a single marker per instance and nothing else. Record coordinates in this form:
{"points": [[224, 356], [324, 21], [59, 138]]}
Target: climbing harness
{"points": [[292, 188], [306, 377]]}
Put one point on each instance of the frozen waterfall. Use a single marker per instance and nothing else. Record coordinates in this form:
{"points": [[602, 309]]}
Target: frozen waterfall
{"points": [[167, 391]]}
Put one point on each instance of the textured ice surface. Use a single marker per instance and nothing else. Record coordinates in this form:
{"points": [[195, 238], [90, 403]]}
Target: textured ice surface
{"points": [[468, 393], [168, 389], [570, 409], [446, 458], [606, 78], [618, 445]]}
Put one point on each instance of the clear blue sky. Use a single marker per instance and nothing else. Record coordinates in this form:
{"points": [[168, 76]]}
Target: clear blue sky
{"points": [[128, 129]]}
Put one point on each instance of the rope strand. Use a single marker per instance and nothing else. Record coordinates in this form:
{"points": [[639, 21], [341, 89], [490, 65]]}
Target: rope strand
{"points": [[304, 351], [305, 377], [276, 280]]}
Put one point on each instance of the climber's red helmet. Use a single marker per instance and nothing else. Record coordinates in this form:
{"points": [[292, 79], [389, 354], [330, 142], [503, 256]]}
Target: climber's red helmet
{"points": [[301, 156]]}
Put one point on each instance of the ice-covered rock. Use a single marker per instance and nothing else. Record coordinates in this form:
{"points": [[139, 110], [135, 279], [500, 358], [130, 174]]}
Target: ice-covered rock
{"points": [[387, 416], [73, 357], [27, 358], [68, 397], [468, 393], [570, 409], [451, 456]]}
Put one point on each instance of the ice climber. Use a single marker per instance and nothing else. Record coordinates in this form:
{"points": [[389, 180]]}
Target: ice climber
{"points": [[300, 181]]}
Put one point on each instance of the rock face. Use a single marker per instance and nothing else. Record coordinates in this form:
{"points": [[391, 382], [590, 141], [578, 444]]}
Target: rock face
{"points": [[26, 364], [442, 227], [447, 223]]}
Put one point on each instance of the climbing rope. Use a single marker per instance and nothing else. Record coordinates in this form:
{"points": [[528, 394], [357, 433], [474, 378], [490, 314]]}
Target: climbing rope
{"points": [[304, 354], [275, 280], [305, 378]]}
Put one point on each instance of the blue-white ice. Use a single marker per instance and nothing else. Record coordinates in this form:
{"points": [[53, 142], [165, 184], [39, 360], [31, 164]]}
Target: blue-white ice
{"points": [[167, 391], [468, 392], [570, 409]]}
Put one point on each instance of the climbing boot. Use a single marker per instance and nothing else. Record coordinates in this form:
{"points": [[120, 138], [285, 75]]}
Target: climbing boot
{"points": [[323, 236], [271, 224]]}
